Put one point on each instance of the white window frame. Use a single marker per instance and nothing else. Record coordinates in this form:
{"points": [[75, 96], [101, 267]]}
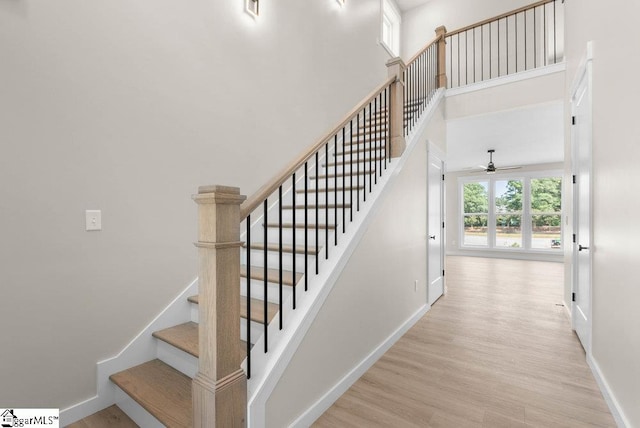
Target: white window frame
{"points": [[526, 213], [390, 13]]}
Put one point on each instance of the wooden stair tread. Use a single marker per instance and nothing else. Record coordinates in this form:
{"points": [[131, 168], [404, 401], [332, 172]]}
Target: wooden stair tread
{"points": [[273, 275], [257, 309], [111, 417], [183, 337], [301, 226], [161, 390], [285, 248]]}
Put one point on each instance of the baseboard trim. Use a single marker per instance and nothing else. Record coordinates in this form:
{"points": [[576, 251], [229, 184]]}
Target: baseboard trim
{"points": [[330, 397], [609, 398], [141, 349]]}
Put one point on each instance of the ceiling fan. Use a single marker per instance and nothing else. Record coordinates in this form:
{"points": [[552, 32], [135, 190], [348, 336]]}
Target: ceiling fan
{"points": [[491, 168]]}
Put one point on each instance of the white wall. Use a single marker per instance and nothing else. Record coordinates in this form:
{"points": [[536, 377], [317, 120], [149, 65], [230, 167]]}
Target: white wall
{"points": [[372, 298], [128, 107], [616, 150], [419, 24]]}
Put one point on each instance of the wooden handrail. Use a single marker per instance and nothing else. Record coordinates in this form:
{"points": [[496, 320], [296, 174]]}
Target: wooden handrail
{"points": [[421, 51], [265, 191], [496, 18]]}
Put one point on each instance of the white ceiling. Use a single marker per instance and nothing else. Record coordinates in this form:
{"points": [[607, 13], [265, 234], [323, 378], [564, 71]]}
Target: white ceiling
{"points": [[526, 136], [410, 4]]}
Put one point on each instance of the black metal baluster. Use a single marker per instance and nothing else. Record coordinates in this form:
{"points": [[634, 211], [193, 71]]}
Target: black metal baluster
{"points": [[466, 57], [544, 33], [475, 61], [458, 37], [364, 152], [490, 50], [482, 52], [350, 170], [371, 139], [344, 183], [516, 25], [265, 285], [358, 163], [248, 282], [387, 117], [280, 253], [382, 130], [295, 208], [317, 253], [335, 191], [498, 48], [326, 200], [306, 225], [535, 39], [525, 39], [555, 39], [450, 79]]}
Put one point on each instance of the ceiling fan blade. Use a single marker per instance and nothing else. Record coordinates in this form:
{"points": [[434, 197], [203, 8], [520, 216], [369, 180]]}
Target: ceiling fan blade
{"points": [[507, 167]]}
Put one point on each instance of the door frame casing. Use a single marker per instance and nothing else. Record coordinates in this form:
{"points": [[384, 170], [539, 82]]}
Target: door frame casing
{"points": [[585, 70], [432, 148]]}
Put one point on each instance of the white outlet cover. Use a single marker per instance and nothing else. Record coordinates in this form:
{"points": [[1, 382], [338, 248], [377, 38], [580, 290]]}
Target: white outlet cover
{"points": [[93, 220]]}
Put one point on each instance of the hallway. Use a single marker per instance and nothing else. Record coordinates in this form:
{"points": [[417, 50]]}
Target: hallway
{"points": [[497, 350]]}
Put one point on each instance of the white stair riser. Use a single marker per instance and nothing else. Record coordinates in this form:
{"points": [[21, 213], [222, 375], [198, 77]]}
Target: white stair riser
{"points": [[287, 233], [135, 411], [176, 358], [257, 330], [273, 262], [257, 290], [331, 196], [373, 164], [333, 181], [324, 213]]}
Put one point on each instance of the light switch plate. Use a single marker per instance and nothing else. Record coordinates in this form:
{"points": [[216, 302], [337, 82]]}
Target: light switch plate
{"points": [[93, 220]]}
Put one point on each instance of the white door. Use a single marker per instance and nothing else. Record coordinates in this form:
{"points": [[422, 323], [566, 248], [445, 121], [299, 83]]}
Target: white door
{"points": [[581, 146], [435, 229]]}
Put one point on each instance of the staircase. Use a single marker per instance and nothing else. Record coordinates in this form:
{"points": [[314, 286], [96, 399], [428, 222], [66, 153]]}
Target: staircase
{"points": [[346, 172]]}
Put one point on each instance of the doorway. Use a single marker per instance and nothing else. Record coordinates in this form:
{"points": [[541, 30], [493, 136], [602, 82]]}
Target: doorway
{"points": [[435, 225], [581, 136]]}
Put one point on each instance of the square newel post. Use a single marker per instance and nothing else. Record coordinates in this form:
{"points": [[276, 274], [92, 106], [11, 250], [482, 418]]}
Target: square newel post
{"points": [[441, 78], [395, 67], [220, 387]]}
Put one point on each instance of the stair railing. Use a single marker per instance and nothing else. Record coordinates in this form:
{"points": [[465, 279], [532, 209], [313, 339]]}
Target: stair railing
{"points": [[352, 156], [519, 40], [423, 75]]}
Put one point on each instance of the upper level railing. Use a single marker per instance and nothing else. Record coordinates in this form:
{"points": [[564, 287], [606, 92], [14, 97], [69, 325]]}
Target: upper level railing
{"points": [[523, 39], [420, 79]]}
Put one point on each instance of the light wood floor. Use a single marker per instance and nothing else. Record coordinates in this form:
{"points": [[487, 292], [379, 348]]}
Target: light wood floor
{"points": [[496, 351]]}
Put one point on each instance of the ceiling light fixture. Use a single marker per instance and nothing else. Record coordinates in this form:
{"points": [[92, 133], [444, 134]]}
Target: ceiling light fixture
{"points": [[341, 2]]}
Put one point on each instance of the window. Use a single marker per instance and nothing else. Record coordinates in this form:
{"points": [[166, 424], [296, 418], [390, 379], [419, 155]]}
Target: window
{"points": [[546, 215], [508, 213], [476, 213], [390, 31], [519, 213]]}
